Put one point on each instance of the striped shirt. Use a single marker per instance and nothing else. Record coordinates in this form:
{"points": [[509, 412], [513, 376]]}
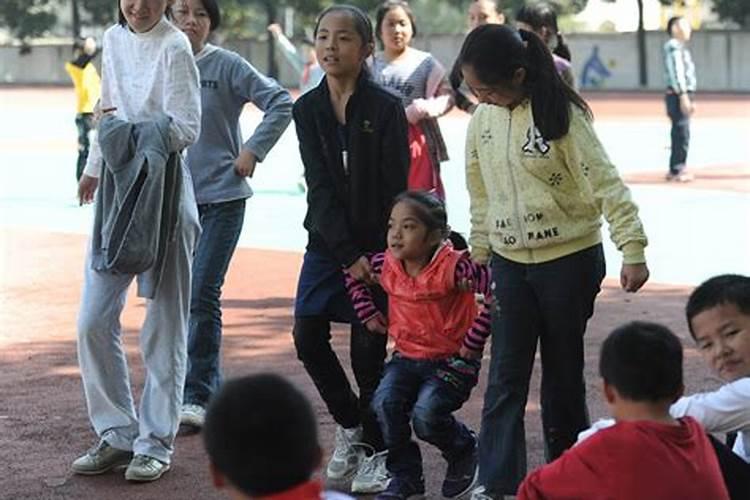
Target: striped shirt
{"points": [[679, 70], [477, 275]]}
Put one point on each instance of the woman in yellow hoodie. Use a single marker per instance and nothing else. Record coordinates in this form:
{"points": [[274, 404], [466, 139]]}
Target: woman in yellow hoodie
{"points": [[539, 182]]}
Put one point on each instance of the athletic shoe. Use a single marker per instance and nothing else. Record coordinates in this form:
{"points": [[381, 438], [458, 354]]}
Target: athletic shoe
{"points": [[399, 489], [461, 475], [144, 468], [100, 459], [193, 415], [372, 476], [680, 177], [346, 457], [480, 493]]}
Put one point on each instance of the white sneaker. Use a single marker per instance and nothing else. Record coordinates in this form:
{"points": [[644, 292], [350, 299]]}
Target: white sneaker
{"points": [[193, 415], [346, 457], [479, 493], [143, 469], [372, 476]]}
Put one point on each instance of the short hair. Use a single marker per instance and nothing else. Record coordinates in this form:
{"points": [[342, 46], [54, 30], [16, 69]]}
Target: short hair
{"points": [[643, 361], [672, 21], [724, 289], [214, 14], [260, 432], [388, 6]]}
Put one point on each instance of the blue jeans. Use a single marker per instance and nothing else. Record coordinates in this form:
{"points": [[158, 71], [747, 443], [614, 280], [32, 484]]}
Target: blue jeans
{"points": [[680, 134], [425, 392], [549, 303], [222, 224]]}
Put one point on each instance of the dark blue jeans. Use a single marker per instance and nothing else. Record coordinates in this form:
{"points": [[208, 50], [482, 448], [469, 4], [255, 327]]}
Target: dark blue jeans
{"points": [[424, 393], [548, 303], [221, 224], [680, 134]]}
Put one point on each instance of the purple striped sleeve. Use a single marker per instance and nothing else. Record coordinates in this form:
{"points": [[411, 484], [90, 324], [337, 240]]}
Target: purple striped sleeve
{"points": [[479, 277], [360, 295]]}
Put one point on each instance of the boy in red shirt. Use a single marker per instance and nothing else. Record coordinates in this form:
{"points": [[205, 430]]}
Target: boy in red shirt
{"points": [[647, 454]]}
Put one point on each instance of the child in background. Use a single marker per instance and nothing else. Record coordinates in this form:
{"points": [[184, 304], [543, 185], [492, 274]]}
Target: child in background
{"points": [[220, 163], [305, 65], [439, 336], [536, 209], [353, 141], [647, 454], [148, 77], [87, 86], [419, 79], [541, 18], [248, 461]]}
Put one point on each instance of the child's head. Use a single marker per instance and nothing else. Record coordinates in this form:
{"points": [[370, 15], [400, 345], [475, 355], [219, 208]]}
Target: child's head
{"points": [[718, 316], [197, 19], [417, 225], [541, 18], [503, 66], [85, 46], [261, 436], [678, 27], [343, 40], [395, 25], [641, 362], [485, 12], [142, 15]]}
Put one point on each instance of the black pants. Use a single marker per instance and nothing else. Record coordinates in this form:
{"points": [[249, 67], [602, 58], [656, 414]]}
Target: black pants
{"points": [[680, 134], [312, 339], [734, 470], [84, 122]]}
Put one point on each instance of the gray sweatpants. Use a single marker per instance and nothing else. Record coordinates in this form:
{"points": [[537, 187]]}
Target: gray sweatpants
{"points": [[163, 345]]}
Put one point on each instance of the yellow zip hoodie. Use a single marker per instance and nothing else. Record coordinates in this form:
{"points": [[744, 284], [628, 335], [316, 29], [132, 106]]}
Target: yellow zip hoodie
{"points": [[534, 200], [87, 86]]}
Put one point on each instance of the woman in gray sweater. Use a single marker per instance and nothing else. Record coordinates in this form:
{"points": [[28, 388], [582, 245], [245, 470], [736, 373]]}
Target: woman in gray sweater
{"points": [[219, 164]]}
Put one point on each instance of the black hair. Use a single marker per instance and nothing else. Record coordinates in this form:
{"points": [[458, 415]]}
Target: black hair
{"points": [[539, 15], [214, 13], [672, 21], [124, 22], [260, 433], [495, 52], [429, 209], [725, 289], [362, 24], [643, 361], [388, 6]]}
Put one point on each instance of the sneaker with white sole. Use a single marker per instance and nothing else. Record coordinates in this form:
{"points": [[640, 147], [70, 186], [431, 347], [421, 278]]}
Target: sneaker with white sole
{"points": [[193, 415], [346, 457], [144, 468], [480, 493], [100, 459], [372, 476]]}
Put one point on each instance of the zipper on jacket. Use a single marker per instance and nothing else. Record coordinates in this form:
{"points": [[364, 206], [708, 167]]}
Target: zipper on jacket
{"points": [[513, 183]]}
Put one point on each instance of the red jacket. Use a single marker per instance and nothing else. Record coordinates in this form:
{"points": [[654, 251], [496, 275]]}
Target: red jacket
{"points": [[641, 460], [428, 316]]}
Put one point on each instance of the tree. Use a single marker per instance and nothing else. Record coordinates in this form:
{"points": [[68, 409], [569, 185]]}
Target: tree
{"points": [[733, 10], [27, 19]]}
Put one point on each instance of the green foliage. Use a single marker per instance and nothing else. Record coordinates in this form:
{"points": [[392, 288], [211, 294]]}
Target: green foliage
{"points": [[97, 12], [27, 19], [733, 10]]}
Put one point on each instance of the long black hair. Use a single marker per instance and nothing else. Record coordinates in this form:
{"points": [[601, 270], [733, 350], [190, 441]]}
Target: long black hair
{"points": [[495, 52], [542, 15]]}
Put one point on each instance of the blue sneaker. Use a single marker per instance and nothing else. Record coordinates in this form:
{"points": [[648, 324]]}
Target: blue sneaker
{"points": [[461, 476], [401, 489]]}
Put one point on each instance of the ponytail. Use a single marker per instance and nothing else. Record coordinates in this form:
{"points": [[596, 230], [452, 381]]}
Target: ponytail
{"points": [[562, 49]]}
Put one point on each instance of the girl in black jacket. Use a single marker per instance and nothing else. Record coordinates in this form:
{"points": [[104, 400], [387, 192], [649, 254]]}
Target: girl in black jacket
{"points": [[353, 142]]}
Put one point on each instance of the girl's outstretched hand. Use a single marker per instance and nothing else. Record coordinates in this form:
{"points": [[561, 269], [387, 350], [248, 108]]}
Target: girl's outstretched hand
{"points": [[377, 324], [361, 270], [633, 276], [87, 188]]}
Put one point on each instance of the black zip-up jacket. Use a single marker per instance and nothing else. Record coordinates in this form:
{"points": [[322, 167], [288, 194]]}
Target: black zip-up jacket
{"points": [[348, 208]]}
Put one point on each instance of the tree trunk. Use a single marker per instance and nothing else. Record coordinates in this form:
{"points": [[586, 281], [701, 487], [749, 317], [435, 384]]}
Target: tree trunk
{"points": [[273, 68], [642, 71], [76, 20]]}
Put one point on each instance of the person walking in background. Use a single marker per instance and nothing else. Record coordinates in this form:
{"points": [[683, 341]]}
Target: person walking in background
{"points": [[87, 86], [151, 97], [541, 18], [421, 82], [305, 64], [536, 211], [219, 164], [480, 12], [353, 142], [679, 71], [439, 335]]}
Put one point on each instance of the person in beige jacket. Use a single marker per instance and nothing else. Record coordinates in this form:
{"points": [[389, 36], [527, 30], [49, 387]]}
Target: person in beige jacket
{"points": [[539, 182]]}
